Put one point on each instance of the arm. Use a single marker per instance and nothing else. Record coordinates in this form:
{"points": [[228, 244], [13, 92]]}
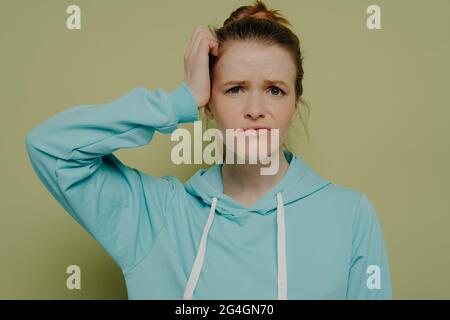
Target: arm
{"points": [[71, 153], [369, 275]]}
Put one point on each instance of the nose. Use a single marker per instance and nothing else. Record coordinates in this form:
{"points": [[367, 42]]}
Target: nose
{"points": [[255, 108]]}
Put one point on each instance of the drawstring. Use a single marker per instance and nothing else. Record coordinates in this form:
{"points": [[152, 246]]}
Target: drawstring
{"points": [[198, 263], [281, 252], [281, 241]]}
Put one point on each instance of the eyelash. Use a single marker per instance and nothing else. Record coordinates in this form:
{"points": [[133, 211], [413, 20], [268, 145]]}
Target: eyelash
{"points": [[282, 92]]}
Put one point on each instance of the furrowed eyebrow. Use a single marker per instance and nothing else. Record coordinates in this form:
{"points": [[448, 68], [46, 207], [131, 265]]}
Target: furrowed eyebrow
{"points": [[234, 82], [276, 82], [243, 82]]}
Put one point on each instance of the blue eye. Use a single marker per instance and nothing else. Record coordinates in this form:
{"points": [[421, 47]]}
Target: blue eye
{"points": [[232, 89], [281, 91]]}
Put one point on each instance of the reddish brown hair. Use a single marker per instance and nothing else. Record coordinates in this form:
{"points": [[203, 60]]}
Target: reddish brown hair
{"points": [[257, 23]]}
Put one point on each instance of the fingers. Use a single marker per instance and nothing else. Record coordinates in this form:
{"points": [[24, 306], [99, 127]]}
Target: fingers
{"points": [[200, 36], [200, 40], [214, 45], [191, 42]]}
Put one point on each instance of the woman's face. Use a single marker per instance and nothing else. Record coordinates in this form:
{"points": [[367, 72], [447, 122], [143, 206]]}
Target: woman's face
{"points": [[257, 101]]}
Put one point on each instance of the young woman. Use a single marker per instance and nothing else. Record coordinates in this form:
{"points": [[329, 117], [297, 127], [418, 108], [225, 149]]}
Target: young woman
{"points": [[229, 232]]}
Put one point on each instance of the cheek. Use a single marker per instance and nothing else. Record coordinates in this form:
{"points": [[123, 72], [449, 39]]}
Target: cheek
{"points": [[286, 119], [225, 113]]}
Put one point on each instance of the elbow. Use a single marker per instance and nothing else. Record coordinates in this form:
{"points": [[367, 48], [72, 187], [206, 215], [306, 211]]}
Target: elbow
{"points": [[32, 141], [30, 146]]}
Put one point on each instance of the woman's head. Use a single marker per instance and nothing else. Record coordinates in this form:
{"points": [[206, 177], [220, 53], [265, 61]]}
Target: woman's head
{"points": [[256, 47]]}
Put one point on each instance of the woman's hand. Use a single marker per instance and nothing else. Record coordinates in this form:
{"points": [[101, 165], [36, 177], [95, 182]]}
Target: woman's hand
{"points": [[196, 64]]}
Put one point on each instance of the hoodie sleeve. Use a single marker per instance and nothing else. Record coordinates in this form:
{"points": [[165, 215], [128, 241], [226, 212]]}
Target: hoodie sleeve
{"points": [[369, 275], [120, 207]]}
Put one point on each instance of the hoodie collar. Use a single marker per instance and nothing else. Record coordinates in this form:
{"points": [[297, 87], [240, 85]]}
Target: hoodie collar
{"points": [[298, 182]]}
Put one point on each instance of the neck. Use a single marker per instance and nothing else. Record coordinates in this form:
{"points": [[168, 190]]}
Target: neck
{"points": [[239, 179]]}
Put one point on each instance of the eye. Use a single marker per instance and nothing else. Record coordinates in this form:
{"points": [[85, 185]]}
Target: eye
{"points": [[229, 90], [281, 91]]}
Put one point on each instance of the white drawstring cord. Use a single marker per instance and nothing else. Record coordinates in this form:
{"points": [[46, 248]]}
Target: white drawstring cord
{"points": [[281, 252], [281, 241], [198, 263]]}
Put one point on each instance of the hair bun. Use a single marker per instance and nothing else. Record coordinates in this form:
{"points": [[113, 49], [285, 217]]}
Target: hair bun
{"points": [[259, 11]]}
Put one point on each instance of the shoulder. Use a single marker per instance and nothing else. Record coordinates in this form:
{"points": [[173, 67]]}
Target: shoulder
{"points": [[355, 203], [341, 195], [363, 210]]}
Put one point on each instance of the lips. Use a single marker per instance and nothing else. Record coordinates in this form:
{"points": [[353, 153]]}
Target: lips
{"points": [[254, 131], [254, 128]]}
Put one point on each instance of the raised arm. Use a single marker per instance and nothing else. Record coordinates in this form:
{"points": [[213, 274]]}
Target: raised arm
{"points": [[71, 153]]}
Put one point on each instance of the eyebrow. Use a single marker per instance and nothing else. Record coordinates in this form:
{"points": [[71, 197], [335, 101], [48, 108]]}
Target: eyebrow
{"points": [[243, 82]]}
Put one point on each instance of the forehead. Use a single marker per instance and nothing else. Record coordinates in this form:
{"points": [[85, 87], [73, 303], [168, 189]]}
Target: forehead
{"points": [[254, 61]]}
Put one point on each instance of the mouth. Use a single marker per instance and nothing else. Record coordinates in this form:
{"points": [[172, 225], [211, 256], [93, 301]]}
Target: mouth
{"points": [[257, 129]]}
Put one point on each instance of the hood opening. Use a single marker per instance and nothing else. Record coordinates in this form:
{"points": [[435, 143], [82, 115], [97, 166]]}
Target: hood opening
{"points": [[298, 182]]}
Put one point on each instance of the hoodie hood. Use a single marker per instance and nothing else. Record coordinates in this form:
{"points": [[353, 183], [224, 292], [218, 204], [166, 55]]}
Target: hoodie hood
{"points": [[299, 182]]}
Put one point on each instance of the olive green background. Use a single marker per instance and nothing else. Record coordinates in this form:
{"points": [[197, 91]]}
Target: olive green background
{"points": [[379, 122]]}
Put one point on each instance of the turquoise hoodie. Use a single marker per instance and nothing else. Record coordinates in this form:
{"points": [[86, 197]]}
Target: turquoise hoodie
{"points": [[307, 238]]}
